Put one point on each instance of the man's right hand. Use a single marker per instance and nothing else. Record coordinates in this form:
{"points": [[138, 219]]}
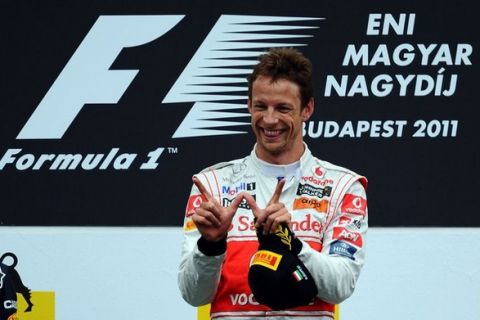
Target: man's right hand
{"points": [[274, 214], [211, 218]]}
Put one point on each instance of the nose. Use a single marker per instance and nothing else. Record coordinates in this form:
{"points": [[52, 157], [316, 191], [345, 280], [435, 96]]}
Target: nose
{"points": [[269, 117]]}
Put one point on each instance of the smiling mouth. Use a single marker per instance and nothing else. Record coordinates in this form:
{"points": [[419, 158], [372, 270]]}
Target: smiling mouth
{"points": [[269, 133]]}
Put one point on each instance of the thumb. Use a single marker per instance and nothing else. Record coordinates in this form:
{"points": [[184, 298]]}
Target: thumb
{"points": [[236, 202]]}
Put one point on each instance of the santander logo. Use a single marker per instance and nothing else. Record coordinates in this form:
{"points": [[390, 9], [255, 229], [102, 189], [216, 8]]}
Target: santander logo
{"points": [[245, 223]]}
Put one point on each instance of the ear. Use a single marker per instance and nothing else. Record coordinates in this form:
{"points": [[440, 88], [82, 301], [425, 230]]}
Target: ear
{"points": [[249, 104], [308, 110]]}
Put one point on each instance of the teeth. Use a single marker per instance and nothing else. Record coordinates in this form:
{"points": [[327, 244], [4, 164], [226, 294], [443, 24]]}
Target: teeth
{"points": [[272, 132]]}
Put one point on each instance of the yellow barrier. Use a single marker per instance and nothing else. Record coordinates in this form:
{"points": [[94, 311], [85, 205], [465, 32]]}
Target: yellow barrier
{"points": [[43, 306]]}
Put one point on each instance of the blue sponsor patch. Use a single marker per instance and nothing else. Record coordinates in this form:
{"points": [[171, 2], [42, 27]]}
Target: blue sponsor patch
{"points": [[343, 249]]}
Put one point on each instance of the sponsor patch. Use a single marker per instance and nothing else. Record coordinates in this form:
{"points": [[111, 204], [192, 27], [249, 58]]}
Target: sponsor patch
{"points": [[308, 203], [243, 204], [312, 191], [318, 171], [320, 182], [189, 225], [343, 249], [193, 202], [354, 204], [344, 220], [355, 238], [310, 223], [243, 186], [267, 259]]}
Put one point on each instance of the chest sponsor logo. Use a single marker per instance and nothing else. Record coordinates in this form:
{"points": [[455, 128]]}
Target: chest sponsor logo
{"points": [[243, 204], [245, 223], [312, 191], [318, 182], [232, 190], [355, 238], [308, 203], [267, 259], [307, 224], [343, 249], [193, 202], [318, 171], [354, 204], [242, 299]]}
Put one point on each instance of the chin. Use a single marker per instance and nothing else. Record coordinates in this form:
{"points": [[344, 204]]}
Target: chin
{"points": [[274, 150]]}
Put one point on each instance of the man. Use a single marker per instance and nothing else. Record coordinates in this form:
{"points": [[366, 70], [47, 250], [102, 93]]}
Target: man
{"points": [[280, 182]]}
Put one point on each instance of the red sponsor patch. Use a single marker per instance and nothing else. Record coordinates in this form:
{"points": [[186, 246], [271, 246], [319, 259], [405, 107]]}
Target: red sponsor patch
{"points": [[193, 202], [354, 204], [344, 220], [355, 238]]}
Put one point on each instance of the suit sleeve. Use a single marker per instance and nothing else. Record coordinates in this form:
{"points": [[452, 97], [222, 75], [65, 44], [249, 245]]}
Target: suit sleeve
{"points": [[337, 267], [198, 274]]}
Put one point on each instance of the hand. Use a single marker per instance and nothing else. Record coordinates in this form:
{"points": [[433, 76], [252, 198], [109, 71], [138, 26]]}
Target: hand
{"points": [[274, 214], [211, 219]]}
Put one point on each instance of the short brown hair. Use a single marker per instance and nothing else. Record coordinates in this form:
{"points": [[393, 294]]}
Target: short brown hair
{"points": [[285, 63]]}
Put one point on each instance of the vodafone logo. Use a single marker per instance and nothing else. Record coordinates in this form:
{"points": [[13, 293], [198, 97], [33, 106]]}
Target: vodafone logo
{"points": [[193, 202], [242, 299], [357, 202], [354, 204], [316, 181], [318, 172]]}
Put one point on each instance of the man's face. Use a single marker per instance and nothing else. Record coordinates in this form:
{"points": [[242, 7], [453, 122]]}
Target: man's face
{"points": [[277, 119]]}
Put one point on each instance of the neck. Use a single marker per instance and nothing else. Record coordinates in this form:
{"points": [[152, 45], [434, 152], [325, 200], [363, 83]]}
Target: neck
{"points": [[282, 158]]}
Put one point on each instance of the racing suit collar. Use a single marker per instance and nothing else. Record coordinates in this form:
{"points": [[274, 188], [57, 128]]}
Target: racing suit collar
{"points": [[287, 171]]}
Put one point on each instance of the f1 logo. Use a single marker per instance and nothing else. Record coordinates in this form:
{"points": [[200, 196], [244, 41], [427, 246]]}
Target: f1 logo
{"points": [[206, 80], [86, 78]]}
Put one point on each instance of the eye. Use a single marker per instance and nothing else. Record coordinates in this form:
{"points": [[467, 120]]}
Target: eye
{"points": [[283, 108], [259, 107]]}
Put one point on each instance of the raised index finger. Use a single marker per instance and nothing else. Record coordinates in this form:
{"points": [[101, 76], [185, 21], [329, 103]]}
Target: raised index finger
{"points": [[278, 191], [202, 188]]}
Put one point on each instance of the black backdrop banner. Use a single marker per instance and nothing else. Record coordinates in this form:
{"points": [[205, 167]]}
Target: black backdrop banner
{"points": [[109, 107]]}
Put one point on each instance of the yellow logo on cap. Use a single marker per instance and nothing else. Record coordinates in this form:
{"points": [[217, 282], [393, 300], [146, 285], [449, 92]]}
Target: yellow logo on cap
{"points": [[284, 236], [266, 258]]}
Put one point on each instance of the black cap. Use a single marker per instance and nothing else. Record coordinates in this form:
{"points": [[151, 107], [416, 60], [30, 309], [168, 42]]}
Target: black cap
{"points": [[277, 277]]}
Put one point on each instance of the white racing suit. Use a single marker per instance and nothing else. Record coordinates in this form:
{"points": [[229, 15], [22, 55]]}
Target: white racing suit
{"points": [[329, 215]]}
